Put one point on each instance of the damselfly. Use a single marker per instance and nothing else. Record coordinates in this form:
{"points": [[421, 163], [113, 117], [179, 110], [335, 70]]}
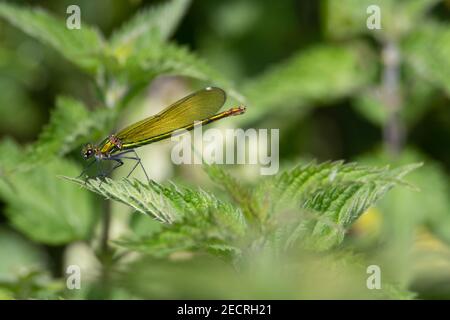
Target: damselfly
{"points": [[198, 108]]}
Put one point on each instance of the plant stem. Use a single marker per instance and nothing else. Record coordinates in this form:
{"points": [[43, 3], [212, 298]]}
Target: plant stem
{"points": [[393, 129], [107, 92], [106, 224]]}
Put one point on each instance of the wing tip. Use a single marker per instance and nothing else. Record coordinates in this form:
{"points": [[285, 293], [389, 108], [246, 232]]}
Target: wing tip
{"points": [[217, 89], [211, 88]]}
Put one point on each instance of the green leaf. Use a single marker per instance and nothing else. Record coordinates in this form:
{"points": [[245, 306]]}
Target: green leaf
{"points": [[32, 284], [83, 47], [403, 213], [209, 233], [420, 221], [148, 199], [17, 255], [304, 179], [428, 52], [151, 58], [329, 196], [71, 125], [319, 74], [42, 206], [160, 20], [193, 219], [326, 199], [240, 194], [139, 52]]}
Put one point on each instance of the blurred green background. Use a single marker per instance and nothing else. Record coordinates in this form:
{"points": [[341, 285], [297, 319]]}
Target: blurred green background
{"points": [[334, 88]]}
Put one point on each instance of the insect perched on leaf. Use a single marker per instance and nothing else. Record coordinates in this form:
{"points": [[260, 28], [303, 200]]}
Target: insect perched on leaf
{"points": [[198, 108]]}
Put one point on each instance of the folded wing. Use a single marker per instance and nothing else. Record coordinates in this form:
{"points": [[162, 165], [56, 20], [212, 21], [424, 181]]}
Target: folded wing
{"points": [[194, 107]]}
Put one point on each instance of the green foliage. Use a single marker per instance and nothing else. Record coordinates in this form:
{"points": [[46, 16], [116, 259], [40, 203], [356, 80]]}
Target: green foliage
{"points": [[22, 273], [422, 46], [146, 199], [136, 54], [82, 47], [20, 122], [416, 95], [200, 277], [405, 216], [427, 50], [325, 199], [316, 75], [71, 125], [148, 59], [34, 283], [20, 252], [336, 193], [41, 206], [239, 193], [158, 21], [198, 220], [347, 18], [409, 210], [294, 235]]}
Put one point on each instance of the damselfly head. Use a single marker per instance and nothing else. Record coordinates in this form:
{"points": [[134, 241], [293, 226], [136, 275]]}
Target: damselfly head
{"points": [[87, 151]]}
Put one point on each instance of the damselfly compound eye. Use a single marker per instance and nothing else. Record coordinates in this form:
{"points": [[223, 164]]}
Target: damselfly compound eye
{"points": [[87, 151]]}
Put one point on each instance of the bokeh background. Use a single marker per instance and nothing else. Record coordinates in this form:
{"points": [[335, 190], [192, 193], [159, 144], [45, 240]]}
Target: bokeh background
{"points": [[312, 69]]}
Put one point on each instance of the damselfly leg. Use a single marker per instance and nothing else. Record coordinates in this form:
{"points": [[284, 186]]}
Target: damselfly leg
{"points": [[116, 158], [117, 165], [123, 155], [86, 168]]}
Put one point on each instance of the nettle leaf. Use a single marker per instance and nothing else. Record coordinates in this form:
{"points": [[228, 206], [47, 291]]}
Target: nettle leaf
{"points": [[147, 199], [42, 206], [160, 20], [428, 51], [152, 57], [306, 178], [319, 74], [192, 219], [239, 193], [289, 186], [195, 234], [312, 205], [403, 212], [139, 51], [83, 47], [329, 197], [71, 124]]}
